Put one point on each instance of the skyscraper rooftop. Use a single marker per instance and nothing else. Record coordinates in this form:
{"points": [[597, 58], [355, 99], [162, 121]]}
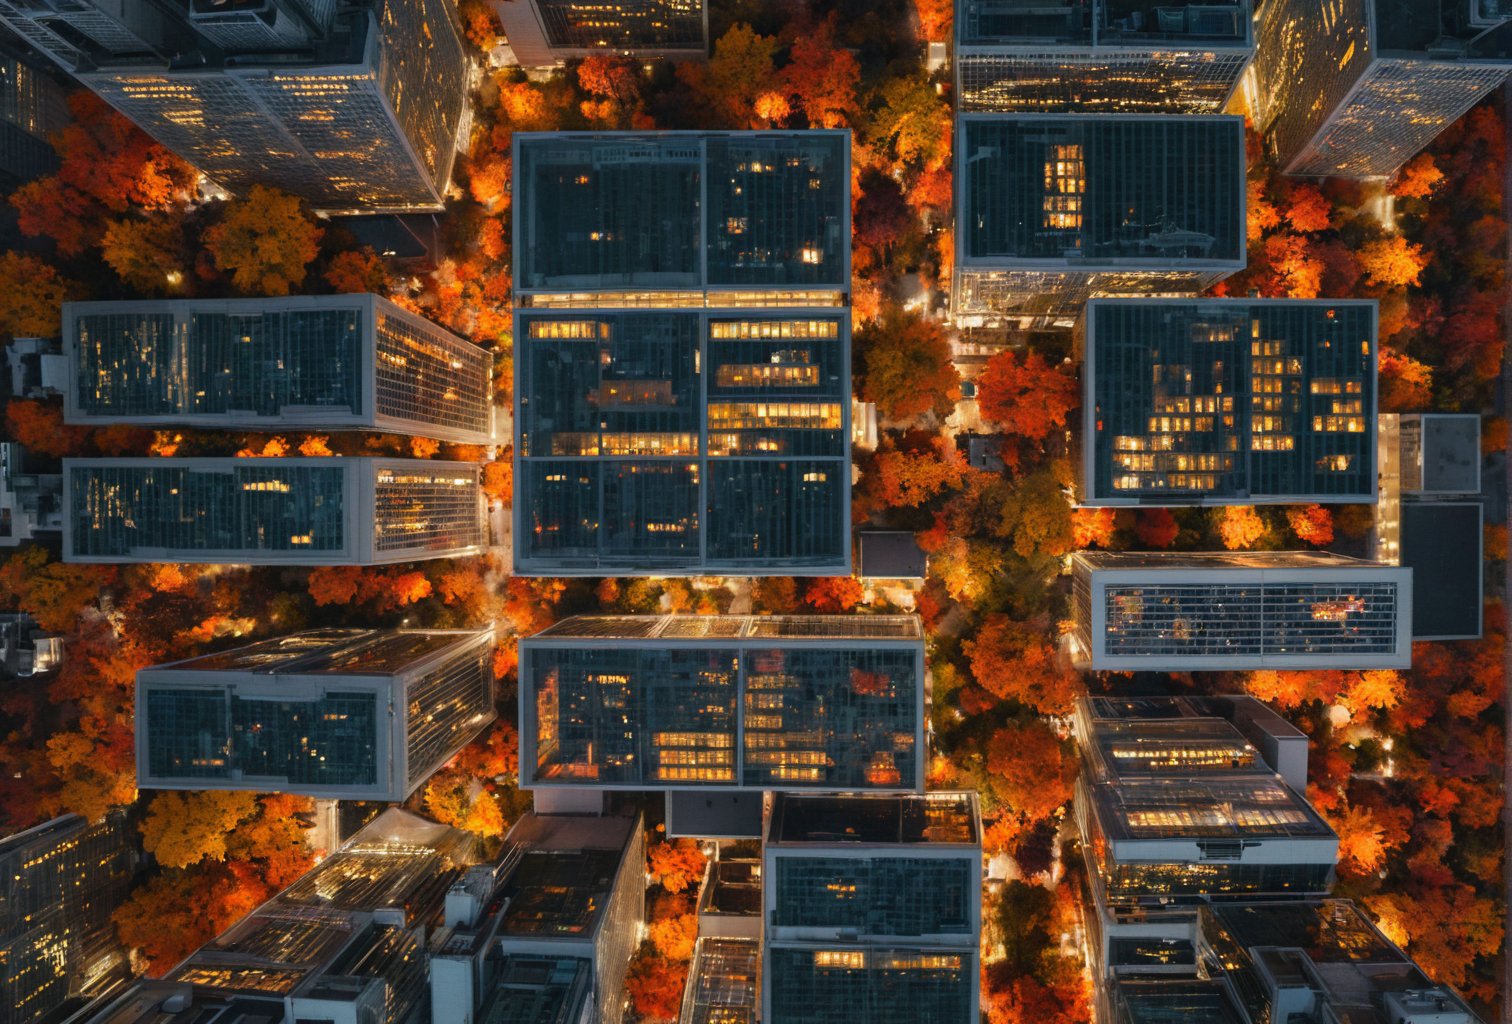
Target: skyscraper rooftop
{"points": [[289, 511], [1053, 209], [1229, 401], [312, 362]]}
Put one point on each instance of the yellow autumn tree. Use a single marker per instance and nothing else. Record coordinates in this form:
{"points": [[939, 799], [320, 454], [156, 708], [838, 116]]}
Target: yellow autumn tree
{"points": [[265, 242]]}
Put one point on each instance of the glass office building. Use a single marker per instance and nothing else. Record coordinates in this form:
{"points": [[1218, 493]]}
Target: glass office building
{"points": [[1055, 209], [330, 362], [277, 511], [1183, 801], [724, 702], [542, 33], [62, 880], [682, 353], [345, 942], [1319, 960], [1356, 88], [577, 889], [352, 109], [682, 442], [872, 908], [345, 714], [1102, 56], [1229, 401], [670, 216], [1232, 611]]}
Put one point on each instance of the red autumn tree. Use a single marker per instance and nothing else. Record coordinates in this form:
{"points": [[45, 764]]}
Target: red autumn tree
{"points": [[1025, 395], [38, 427], [1156, 527], [821, 78], [1026, 769]]}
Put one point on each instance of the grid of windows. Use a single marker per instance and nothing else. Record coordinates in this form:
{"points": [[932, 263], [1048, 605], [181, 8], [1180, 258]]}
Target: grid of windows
{"points": [[330, 740], [1158, 208], [1216, 400], [809, 986], [835, 718], [187, 361], [163, 508], [713, 440], [1212, 879], [321, 123], [422, 509], [682, 211], [445, 708], [426, 375], [1193, 620], [1164, 189], [1333, 103], [59, 884], [1127, 79], [895, 896], [623, 24]]}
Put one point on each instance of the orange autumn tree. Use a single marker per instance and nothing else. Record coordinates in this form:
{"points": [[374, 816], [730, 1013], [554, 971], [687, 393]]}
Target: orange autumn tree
{"points": [[833, 595], [1418, 179], [655, 986], [1016, 661], [1392, 261], [1313, 524], [673, 926], [1025, 395], [32, 294], [677, 864], [821, 78], [184, 828], [908, 471], [1093, 527], [1026, 771], [1240, 527]]}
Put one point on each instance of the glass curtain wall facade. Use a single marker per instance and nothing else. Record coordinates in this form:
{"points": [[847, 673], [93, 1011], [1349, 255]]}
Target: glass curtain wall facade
{"points": [[1296, 610], [291, 511], [328, 362], [62, 881], [1106, 56], [346, 714], [1056, 209], [1229, 401], [730, 702], [1356, 88], [346, 941], [872, 908], [359, 111], [547, 32], [683, 373], [682, 441]]}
